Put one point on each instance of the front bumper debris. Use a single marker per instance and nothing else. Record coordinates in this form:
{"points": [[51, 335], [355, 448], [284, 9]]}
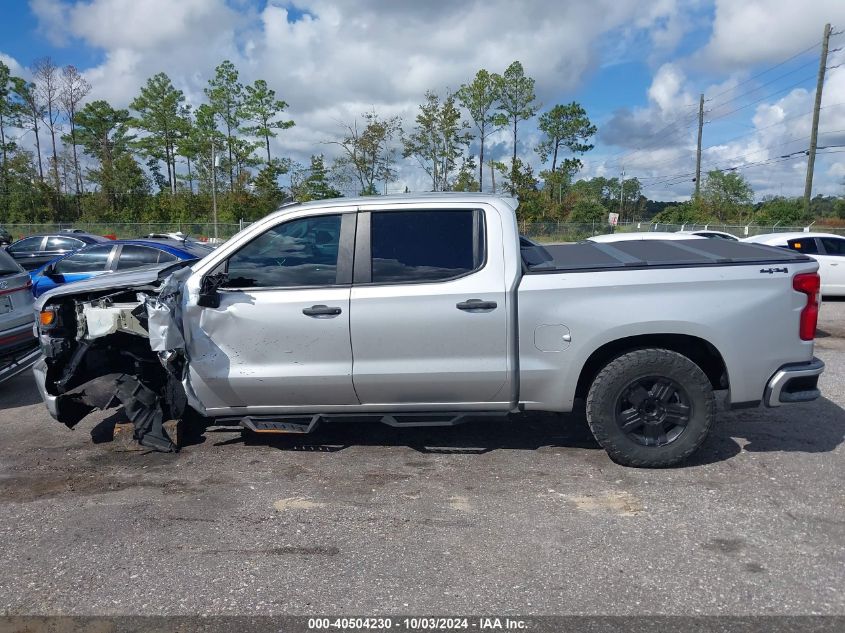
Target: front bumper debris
{"points": [[795, 382], [142, 405]]}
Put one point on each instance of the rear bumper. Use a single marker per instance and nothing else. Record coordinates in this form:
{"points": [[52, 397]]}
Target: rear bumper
{"points": [[795, 382], [17, 338]]}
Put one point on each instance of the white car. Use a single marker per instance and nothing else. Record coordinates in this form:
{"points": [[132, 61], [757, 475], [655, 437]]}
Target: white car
{"points": [[827, 248], [712, 235], [651, 235]]}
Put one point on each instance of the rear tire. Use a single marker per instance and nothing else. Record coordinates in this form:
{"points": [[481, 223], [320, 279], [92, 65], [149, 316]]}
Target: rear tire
{"points": [[650, 408]]}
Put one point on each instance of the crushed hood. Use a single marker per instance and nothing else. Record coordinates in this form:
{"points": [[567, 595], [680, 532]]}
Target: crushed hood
{"points": [[112, 281]]}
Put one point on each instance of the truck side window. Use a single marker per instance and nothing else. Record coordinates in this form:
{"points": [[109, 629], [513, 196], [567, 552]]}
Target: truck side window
{"points": [[804, 245], [414, 246], [300, 252]]}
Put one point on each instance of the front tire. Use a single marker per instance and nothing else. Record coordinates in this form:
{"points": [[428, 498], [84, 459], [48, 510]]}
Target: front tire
{"points": [[650, 408]]}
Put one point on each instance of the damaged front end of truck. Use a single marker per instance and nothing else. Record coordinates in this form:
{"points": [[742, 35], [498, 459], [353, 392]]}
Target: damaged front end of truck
{"points": [[118, 343]]}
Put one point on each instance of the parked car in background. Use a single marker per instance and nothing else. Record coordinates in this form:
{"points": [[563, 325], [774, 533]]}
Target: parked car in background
{"points": [[98, 259], [36, 250], [652, 235], [18, 345], [828, 249], [712, 235], [177, 235], [5, 237]]}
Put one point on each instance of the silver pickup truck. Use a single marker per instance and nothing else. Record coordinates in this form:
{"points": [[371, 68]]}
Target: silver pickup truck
{"points": [[430, 309]]}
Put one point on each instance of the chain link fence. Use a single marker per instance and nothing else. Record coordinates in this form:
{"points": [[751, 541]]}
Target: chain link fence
{"points": [[125, 230], [548, 232], [572, 232]]}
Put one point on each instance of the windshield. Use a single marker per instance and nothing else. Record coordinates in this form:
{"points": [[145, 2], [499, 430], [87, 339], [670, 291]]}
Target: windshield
{"points": [[8, 266]]}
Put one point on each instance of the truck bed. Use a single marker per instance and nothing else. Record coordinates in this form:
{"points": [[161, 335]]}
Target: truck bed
{"points": [[636, 254]]}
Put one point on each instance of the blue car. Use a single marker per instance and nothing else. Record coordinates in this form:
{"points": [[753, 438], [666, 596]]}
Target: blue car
{"points": [[113, 256]]}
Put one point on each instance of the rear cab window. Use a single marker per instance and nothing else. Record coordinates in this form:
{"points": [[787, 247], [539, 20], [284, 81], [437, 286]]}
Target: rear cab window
{"points": [[425, 246]]}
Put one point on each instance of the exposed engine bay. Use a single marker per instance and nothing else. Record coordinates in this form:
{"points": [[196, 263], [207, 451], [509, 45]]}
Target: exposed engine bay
{"points": [[119, 347]]}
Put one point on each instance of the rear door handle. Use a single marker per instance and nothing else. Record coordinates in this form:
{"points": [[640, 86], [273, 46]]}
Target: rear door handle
{"points": [[321, 310], [471, 305]]}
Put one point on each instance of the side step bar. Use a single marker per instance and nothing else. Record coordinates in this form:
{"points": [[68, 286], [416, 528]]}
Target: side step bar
{"points": [[303, 424], [298, 425]]}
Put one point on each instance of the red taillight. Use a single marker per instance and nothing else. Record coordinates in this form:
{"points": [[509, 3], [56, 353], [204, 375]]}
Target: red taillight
{"points": [[27, 286], [809, 284]]}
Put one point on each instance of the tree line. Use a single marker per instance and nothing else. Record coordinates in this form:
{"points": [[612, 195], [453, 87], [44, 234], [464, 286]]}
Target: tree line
{"points": [[161, 159]]}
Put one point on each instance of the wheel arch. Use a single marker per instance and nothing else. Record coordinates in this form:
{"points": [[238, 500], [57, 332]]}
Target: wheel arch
{"points": [[701, 352]]}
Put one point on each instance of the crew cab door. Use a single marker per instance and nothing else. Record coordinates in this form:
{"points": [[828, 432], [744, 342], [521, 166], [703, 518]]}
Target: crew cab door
{"points": [[832, 260], [279, 339], [429, 313], [831, 263]]}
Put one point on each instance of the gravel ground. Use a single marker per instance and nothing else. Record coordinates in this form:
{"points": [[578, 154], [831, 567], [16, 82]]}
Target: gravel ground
{"points": [[492, 516]]}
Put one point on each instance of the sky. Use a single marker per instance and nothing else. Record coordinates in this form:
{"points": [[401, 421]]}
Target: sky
{"points": [[636, 66]]}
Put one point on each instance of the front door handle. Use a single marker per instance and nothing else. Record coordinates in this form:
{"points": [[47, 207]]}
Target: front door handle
{"points": [[321, 310], [471, 305]]}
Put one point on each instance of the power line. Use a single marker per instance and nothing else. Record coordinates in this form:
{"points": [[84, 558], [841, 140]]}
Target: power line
{"points": [[690, 151], [619, 157], [768, 70], [768, 83], [733, 158], [763, 98], [770, 161], [682, 178], [657, 135], [677, 120]]}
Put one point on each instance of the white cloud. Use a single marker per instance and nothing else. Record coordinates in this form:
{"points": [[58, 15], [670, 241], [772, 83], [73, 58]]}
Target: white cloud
{"points": [[765, 140], [746, 32], [14, 66], [338, 59]]}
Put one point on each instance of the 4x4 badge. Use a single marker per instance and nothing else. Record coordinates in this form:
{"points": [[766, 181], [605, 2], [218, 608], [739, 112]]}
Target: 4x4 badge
{"points": [[772, 271]]}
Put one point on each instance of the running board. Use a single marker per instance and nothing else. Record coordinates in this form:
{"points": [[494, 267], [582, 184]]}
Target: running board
{"points": [[302, 424], [294, 425], [411, 420]]}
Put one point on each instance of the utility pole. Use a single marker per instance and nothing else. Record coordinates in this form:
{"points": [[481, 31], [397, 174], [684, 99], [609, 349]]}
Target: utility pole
{"points": [[214, 189], [814, 134], [698, 151], [621, 188]]}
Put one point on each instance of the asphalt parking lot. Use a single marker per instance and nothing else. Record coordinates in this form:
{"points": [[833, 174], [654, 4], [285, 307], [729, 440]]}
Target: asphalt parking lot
{"points": [[488, 517]]}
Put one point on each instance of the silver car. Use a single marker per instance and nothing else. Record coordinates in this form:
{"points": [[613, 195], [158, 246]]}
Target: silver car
{"points": [[17, 340]]}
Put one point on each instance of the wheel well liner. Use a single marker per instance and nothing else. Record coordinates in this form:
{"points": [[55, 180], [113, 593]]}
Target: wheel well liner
{"points": [[699, 351]]}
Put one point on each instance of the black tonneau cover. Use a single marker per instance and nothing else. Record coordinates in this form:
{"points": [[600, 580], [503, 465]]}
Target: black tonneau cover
{"points": [[632, 254]]}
